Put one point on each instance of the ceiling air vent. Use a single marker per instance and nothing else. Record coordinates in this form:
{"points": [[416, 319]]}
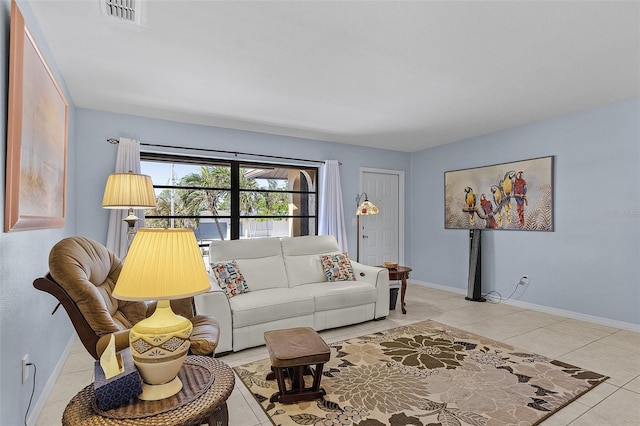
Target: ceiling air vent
{"points": [[127, 10]]}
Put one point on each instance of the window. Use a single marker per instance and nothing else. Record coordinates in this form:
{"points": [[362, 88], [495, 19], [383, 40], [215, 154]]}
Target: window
{"points": [[222, 199]]}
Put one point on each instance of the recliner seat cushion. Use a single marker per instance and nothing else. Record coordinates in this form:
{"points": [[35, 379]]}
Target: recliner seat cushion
{"points": [[269, 305], [341, 294]]}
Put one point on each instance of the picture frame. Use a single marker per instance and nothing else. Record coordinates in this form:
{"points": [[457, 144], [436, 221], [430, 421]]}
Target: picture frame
{"points": [[508, 196], [35, 195]]}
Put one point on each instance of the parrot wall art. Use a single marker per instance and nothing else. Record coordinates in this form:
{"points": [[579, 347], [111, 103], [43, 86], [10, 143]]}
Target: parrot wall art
{"points": [[517, 196]]}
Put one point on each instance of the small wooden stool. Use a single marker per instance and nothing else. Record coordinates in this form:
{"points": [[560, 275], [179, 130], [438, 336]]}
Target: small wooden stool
{"points": [[293, 351]]}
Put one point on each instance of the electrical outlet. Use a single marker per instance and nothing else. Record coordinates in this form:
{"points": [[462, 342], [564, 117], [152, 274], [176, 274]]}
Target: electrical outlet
{"points": [[25, 368], [524, 280]]}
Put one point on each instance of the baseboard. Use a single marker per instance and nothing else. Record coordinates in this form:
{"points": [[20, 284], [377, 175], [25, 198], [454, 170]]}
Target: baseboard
{"points": [[546, 309], [37, 408], [438, 286]]}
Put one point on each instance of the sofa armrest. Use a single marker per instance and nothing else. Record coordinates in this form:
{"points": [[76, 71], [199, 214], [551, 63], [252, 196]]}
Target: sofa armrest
{"points": [[215, 303], [379, 277]]}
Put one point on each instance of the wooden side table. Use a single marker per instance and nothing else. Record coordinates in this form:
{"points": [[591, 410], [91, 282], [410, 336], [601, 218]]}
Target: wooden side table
{"points": [[400, 273], [210, 405]]}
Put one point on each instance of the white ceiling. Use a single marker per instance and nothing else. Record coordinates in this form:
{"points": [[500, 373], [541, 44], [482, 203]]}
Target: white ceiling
{"points": [[396, 75]]}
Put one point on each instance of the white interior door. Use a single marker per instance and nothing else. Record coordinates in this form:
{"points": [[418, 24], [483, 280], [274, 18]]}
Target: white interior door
{"points": [[381, 235]]}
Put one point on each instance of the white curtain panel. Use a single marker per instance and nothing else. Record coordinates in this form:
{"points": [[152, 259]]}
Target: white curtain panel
{"points": [[128, 159], [331, 214]]}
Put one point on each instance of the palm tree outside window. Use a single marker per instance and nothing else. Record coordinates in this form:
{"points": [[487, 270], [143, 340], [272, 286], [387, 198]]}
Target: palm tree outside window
{"points": [[222, 199]]}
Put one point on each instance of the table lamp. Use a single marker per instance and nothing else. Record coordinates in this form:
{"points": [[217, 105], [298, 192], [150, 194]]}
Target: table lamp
{"points": [[365, 208], [129, 191], [162, 265]]}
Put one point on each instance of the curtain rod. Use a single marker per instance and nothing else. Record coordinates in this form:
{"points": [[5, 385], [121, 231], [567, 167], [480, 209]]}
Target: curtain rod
{"points": [[236, 153]]}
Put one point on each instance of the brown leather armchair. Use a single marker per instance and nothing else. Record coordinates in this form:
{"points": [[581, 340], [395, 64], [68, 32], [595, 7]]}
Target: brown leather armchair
{"points": [[82, 275]]}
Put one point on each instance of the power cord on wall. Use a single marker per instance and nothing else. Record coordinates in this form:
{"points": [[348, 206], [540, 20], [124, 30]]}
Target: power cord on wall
{"points": [[33, 389], [500, 299]]}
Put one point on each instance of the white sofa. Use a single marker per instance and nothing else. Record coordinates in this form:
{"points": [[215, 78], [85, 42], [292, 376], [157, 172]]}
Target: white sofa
{"points": [[288, 288]]}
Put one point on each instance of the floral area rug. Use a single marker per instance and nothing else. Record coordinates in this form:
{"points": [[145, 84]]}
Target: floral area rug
{"points": [[431, 374]]}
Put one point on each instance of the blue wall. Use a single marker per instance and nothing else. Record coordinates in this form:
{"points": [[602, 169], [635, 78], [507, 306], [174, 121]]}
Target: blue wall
{"points": [[26, 324], [96, 157], [589, 265]]}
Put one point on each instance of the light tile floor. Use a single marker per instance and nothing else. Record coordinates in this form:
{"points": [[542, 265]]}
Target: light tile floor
{"points": [[605, 350]]}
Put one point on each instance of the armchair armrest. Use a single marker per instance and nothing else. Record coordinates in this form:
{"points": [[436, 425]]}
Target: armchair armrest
{"points": [[215, 303]]}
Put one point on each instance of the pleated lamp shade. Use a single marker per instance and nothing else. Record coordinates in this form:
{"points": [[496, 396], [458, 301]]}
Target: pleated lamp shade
{"points": [[128, 190], [162, 264]]}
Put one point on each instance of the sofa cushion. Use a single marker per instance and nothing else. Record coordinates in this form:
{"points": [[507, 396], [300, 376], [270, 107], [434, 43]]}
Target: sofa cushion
{"points": [[304, 269], [260, 260], [302, 257], [340, 294], [272, 304], [337, 267], [310, 244], [263, 273], [244, 249], [230, 278]]}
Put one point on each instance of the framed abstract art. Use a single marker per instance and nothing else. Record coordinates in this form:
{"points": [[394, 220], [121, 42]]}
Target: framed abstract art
{"points": [[36, 137]]}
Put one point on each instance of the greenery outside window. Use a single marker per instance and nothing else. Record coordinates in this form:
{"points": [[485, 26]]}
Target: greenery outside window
{"points": [[223, 199]]}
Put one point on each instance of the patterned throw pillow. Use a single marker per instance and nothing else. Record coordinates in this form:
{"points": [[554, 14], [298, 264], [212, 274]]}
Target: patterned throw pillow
{"points": [[337, 267], [230, 278]]}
